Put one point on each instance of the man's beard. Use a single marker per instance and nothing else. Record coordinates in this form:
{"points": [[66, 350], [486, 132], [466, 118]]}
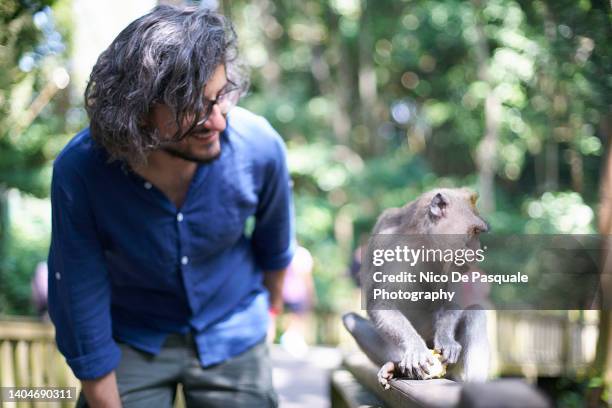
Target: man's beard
{"points": [[185, 155], [189, 157]]}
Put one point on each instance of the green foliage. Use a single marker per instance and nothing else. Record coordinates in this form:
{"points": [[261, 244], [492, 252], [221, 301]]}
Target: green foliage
{"points": [[357, 147], [30, 116], [563, 212], [380, 101], [28, 245], [32, 129], [574, 392]]}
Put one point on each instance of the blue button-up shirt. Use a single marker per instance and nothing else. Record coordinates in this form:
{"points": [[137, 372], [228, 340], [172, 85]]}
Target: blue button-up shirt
{"points": [[126, 264]]}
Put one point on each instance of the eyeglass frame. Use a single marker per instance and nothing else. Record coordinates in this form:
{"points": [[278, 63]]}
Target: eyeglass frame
{"points": [[228, 89], [210, 105]]}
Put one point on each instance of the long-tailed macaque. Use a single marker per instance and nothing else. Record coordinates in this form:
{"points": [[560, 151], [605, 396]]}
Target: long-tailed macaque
{"points": [[460, 336]]}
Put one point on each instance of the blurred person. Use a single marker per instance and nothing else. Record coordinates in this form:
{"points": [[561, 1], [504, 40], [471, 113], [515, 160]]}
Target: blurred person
{"points": [[39, 287], [299, 296], [152, 278], [355, 265]]}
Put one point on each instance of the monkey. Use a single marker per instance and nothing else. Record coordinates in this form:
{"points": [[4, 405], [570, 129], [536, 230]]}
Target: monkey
{"points": [[404, 336]]}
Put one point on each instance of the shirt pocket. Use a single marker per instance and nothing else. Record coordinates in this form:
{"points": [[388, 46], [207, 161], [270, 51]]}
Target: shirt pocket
{"points": [[239, 196]]}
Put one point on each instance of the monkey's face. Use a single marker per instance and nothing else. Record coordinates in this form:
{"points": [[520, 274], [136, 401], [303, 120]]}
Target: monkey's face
{"points": [[453, 211]]}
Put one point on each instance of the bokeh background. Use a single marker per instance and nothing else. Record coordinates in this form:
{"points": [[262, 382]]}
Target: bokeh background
{"points": [[377, 101]]}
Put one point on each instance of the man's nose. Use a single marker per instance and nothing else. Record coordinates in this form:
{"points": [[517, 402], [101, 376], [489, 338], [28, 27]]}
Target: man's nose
{"points": [[216, 120]]}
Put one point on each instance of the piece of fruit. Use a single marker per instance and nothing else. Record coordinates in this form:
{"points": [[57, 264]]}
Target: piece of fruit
{"points": [[437, 370]]}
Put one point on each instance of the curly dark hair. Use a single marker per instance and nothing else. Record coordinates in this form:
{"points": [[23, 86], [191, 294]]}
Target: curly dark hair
{"points": [[165, 56]]}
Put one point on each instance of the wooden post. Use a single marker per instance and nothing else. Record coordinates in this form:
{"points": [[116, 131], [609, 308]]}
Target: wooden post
{"points": [[7, 376], [21, 362], [37, 357], [28, 357]]}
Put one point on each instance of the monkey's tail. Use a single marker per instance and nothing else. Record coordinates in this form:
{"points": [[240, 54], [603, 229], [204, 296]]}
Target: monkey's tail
{"points": [[378, 350]]}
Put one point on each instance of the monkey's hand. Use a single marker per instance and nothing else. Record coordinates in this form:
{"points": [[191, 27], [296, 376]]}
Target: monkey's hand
{"points": [[386, 373], [448, 348], [416, 362]]}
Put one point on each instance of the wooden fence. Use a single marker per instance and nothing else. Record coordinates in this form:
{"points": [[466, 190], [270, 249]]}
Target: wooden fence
{"points": [[29, 358], [545, 344], [529, 344]]}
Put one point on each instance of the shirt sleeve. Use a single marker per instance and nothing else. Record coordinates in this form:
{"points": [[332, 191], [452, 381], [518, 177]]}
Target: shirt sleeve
{"points": [[79, 288], [273, 237]]}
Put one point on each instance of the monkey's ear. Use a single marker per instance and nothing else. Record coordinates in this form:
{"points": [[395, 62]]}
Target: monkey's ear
{"points": [[437, 207]]}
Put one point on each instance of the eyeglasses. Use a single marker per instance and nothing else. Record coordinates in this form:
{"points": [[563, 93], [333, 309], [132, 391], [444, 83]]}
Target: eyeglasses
{"points": [[223, 101]]}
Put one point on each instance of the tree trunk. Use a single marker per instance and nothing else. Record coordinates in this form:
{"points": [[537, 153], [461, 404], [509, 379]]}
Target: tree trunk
{"points": [[551, 175], [602, 365], [4, 237], [339, 87], [367, 81], [577, 172], [343, 89], [486, 152], [271, 70]]}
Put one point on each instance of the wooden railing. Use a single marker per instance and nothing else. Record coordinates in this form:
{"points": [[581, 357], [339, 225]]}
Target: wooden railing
{"points": [[355, 385], [538, 343], [530, 344], [29, 358]]}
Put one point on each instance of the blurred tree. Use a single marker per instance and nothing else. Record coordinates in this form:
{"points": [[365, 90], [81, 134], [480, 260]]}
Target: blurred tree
{"points": [[486, 151], [25, 40], [507, 96], [30, 76], [379, 101], [602, 366]]}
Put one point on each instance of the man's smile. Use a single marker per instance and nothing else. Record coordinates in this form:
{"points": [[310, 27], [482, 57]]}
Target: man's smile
{"points": [[205, 136]]}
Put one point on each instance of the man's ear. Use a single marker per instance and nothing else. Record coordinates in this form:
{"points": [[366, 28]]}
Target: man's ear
{"points": [[437, 207]]}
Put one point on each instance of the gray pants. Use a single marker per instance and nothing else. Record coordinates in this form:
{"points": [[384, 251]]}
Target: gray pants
{"points": [[149, 381]]}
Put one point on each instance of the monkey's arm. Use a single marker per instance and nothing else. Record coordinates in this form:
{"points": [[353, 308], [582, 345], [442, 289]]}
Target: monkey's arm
{"points": [[444, 336], [416, 358], [396, 327]]}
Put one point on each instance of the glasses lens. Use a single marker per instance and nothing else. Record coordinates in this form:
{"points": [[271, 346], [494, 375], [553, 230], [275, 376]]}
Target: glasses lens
{"points": [[227, 99], [207, 112], [225, 104]]}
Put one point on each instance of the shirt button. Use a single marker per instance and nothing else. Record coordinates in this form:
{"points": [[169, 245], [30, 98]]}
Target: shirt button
{"points": [[148, 185], [179, 217], [58, 276], [184, 260]]}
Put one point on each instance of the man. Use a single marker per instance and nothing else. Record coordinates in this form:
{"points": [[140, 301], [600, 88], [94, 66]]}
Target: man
{"points": [[154, 278]]}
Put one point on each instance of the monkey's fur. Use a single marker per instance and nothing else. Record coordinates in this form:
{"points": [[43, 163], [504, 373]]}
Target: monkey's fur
{"points": [[404, 335]]}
